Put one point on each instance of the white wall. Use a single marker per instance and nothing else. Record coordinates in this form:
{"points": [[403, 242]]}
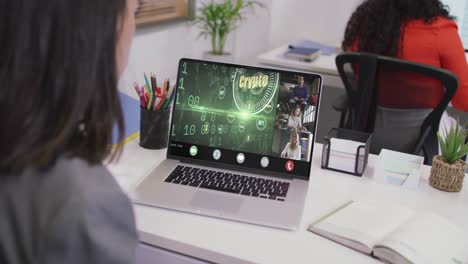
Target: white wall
{"points": [[457, 8], [320, 20], [252, 37], [158, 49]]}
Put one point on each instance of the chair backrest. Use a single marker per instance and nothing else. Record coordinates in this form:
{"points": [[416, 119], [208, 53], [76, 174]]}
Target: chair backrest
{"points": [[359, 82], [410, 128]]}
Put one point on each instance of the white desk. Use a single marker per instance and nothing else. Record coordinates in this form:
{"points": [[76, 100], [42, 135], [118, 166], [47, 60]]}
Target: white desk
{"points": [[324, 65], [223, 241]]}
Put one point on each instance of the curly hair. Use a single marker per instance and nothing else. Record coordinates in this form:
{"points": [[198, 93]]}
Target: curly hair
{"points": [[377, 24]]}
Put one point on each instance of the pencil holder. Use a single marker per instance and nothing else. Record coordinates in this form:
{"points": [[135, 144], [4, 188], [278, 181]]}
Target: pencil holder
{"points": [[154, 128], [346, 151]]}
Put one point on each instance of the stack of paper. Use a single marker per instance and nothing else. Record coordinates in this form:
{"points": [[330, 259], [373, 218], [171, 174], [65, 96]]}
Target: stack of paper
{"points": [[343, 154], [326, 50], [398, 168]]}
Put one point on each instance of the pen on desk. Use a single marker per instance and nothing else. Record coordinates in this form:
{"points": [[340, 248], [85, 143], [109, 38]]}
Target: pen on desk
{"points": [[146, 96], [168, 97], [168, 85], [150, 98], [158, 92], [163, 90], [163, 98], [150, 91], [158, 98], [159, 107], [154, 83], [172, 97], [171, 91], [156, 103], [143, 103], [140, 94], [153, 91], [146, 81], [153, 103]]}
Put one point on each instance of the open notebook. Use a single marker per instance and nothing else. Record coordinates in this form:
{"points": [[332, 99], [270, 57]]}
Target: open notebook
{"points": [[394, 234]]}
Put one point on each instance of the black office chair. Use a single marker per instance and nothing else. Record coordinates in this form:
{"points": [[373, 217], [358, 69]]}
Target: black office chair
{"points": [[410, 129]]}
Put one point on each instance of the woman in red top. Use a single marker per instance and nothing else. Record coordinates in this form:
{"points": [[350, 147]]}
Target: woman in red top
{"points": [[415, 30]]}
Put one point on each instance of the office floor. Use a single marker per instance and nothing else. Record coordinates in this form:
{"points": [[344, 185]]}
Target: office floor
{"points": [[328, 118]]}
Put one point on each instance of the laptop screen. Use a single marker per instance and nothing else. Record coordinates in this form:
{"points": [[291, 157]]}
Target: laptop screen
{"points": [[247, 117]]}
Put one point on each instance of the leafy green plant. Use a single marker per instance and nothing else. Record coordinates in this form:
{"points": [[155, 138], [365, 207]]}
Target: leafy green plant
{"points": [[453, 147], [217, 20]]}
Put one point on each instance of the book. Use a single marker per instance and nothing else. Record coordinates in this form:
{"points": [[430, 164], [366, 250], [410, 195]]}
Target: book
{"points": [[131, 115], [394, 234], [307, 55], [326, 50]]}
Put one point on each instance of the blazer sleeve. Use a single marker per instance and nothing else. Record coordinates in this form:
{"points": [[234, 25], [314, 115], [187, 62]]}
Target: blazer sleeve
{"points": [[97, 230], [453, 58]]}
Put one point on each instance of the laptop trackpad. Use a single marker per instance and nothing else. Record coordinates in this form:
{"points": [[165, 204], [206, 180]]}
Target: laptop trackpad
{"points": [[213, 201]]}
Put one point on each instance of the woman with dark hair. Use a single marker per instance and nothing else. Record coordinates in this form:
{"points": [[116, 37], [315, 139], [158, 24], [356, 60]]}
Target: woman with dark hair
{"points": [[59, 66], [415, 30]]}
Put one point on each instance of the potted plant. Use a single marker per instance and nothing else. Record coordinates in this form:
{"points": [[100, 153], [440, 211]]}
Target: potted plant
{"points": [[448, 170], [217, 20]]}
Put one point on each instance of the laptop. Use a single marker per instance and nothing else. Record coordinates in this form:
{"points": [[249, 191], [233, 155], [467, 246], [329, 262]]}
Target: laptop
{"points": [[240, 144]]}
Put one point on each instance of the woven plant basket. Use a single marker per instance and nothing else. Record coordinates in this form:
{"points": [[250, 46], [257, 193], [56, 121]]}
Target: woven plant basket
{"points": [[447, 177]]}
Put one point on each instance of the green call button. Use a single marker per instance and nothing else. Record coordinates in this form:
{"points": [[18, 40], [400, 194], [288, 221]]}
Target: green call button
{"points": [[193, 151]]}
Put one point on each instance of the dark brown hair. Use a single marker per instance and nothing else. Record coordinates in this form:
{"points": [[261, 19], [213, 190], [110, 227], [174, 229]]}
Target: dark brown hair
{"points": [[58, 75], [376, 24]]}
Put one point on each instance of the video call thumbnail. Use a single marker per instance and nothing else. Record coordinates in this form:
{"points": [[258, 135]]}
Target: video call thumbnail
{"points": [[246, 110]]}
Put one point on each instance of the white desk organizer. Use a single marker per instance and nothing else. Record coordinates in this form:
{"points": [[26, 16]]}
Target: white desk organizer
{"points": [[346, 151]]}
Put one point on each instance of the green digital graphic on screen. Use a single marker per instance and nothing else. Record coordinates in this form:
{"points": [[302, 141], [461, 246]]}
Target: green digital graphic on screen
{"points": [[226, 107]]}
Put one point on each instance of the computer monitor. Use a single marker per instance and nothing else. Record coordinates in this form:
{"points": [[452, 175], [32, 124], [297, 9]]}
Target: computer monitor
{"points": [[459, 9]]}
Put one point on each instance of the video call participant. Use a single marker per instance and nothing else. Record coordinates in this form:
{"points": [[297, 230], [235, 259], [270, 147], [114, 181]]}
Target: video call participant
{"points": [[295, 120], [300, 93], [293, 149]]}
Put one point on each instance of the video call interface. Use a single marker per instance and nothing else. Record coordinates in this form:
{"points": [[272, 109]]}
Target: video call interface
{"points": [[245, 117]]}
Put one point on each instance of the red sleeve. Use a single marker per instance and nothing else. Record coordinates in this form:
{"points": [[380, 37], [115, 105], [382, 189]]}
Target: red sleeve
{"points": [[452, 57]]}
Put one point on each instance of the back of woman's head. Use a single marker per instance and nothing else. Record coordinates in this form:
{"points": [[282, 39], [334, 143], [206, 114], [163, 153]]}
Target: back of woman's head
{"points": [[58, 74], [377, 24]]}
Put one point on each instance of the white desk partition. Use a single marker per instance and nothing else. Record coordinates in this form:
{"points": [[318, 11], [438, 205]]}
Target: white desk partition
{"points": [[223, 241]]}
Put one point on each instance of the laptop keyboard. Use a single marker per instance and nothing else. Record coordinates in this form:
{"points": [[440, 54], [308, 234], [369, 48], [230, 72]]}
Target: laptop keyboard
{"points": [[228, 182]]}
